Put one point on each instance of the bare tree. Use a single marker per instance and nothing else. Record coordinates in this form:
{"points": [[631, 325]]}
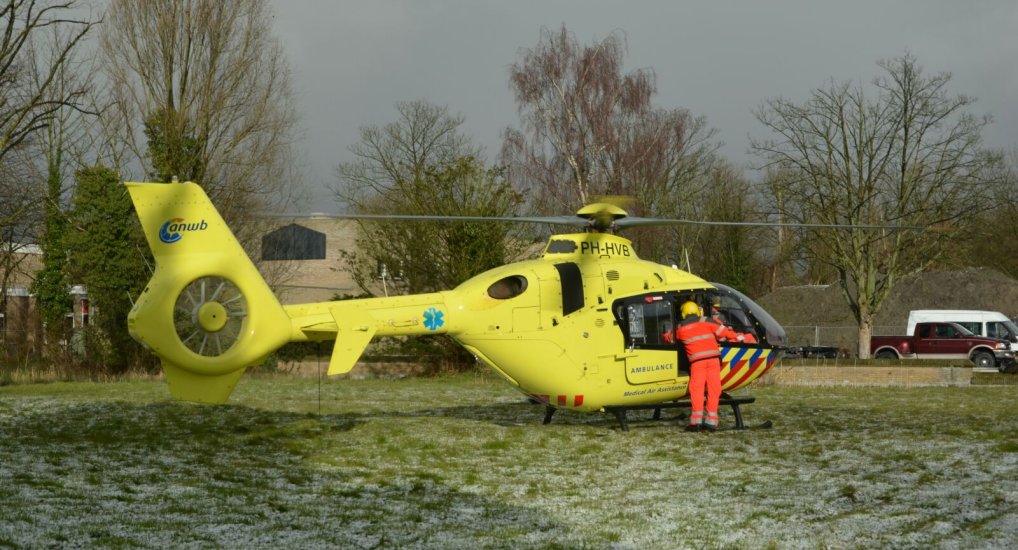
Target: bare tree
{"points": [[200, 90], [37, 42], [993, 235], [27, 71], [37, 45], [389, 159], [423, 164], [18, 210], [588, 129], [733, 254], [911, 156]]}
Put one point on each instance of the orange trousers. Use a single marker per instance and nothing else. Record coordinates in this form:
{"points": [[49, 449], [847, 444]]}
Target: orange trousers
{"points": [[706, 372]]}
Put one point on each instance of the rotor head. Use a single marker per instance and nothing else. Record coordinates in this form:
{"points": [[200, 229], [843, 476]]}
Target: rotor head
{"points": [[601, 216]]}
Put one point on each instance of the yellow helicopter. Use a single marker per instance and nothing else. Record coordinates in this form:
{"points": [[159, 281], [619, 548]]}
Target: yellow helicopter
{"points": [[580, 328]]}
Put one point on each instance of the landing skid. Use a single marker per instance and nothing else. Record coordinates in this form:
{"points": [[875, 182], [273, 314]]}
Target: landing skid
{"points": [[620, 411]]}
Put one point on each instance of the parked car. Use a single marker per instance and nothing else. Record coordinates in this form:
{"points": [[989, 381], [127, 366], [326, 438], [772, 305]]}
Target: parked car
{"points": [[991, 324], [945, 341]]}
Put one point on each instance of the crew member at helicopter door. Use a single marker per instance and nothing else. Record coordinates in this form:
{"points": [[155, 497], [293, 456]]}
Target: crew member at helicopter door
{"points": [[700, 338], [729, 334]]}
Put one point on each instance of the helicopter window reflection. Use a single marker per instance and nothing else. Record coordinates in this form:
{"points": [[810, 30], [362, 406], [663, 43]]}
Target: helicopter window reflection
{"points": [[739, 322], [647, 320], [745, 315], [559, 246], [572, 287], [635, 314], [508, 287]]}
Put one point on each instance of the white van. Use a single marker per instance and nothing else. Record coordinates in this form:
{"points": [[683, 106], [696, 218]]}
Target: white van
{"points": [[984, 323]]}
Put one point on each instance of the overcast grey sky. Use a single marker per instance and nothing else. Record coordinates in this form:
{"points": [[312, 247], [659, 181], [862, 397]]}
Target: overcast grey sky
{"points": [[353, 60]]}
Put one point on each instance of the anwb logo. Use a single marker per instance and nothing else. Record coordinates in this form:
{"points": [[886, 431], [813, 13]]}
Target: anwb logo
{"points": [[171, 231]]}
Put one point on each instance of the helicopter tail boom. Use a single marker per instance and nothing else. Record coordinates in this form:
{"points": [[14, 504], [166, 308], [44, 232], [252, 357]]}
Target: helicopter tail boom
{"points": [[207, 313], [353, 323]]}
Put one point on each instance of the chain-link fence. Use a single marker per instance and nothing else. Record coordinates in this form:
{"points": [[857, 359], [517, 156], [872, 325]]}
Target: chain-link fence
{"points": [[845, 339]]}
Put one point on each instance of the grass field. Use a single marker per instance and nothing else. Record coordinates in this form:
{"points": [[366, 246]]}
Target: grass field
{"points": [[464, 462]]}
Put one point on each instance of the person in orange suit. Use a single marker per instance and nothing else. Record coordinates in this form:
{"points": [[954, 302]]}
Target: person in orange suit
{"points": [[700, 339], [729, 334]]}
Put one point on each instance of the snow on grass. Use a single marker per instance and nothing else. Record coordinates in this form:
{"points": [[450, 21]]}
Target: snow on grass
{"points": [[463, 461]]}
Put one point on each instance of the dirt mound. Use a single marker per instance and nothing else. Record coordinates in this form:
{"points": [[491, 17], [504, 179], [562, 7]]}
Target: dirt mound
{"points": [[824, 305], [974, 288]]}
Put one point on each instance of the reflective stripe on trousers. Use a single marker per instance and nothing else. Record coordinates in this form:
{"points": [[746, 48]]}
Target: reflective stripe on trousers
{"points": [[712, 419], [695, 418]]}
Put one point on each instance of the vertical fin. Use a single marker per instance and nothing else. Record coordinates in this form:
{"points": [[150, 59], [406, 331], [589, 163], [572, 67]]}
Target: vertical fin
{"points": [[190, 242], [203, 388]]}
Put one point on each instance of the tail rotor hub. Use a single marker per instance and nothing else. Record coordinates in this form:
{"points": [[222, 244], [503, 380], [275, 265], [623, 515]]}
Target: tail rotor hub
{"points": [[210, 315]]}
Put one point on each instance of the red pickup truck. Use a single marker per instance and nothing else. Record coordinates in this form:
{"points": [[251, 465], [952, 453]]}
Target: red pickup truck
{"points": [[944, 341]]}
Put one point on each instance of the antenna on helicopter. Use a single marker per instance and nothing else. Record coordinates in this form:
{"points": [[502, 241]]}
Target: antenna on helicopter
{"points": [[383, 273]]}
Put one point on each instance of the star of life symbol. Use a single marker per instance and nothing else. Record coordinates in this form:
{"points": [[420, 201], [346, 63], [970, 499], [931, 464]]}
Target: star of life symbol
{"points": [[433, 319]]}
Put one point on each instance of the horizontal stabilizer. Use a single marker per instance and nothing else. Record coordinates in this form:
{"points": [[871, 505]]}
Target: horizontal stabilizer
{"points": [[352, 337]]}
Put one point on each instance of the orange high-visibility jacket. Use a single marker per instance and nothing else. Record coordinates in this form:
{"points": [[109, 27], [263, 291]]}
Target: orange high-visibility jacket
{"points": [[700, 338], [729, 334]]}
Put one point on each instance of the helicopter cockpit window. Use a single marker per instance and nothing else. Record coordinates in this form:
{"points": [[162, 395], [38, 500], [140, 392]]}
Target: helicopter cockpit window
{"points": [[744, 315], [646, 320], [508, 287], [561, 246]]}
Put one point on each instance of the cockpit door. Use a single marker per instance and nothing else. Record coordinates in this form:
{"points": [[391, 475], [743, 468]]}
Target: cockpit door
{"points": [[644, 321]]}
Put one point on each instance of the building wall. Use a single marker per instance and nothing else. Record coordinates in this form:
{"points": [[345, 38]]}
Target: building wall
{"points": [[21, 329], [19, 322], [299, 281]]}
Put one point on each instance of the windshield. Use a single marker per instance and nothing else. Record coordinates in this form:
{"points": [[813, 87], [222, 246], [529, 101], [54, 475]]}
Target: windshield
{"points": [[1005, 330], [1011, 327], [769, 329]]}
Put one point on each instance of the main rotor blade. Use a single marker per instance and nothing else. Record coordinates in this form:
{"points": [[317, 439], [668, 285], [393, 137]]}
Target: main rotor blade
{"points": [[634, 221], [555, 220], [622, 222]]}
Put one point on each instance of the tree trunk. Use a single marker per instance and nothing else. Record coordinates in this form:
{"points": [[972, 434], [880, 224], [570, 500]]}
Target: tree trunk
{"points": [[865, 333]]}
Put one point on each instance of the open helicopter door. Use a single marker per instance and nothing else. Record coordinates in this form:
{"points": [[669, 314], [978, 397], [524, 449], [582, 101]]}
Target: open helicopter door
{"points": [[644, 321]]}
